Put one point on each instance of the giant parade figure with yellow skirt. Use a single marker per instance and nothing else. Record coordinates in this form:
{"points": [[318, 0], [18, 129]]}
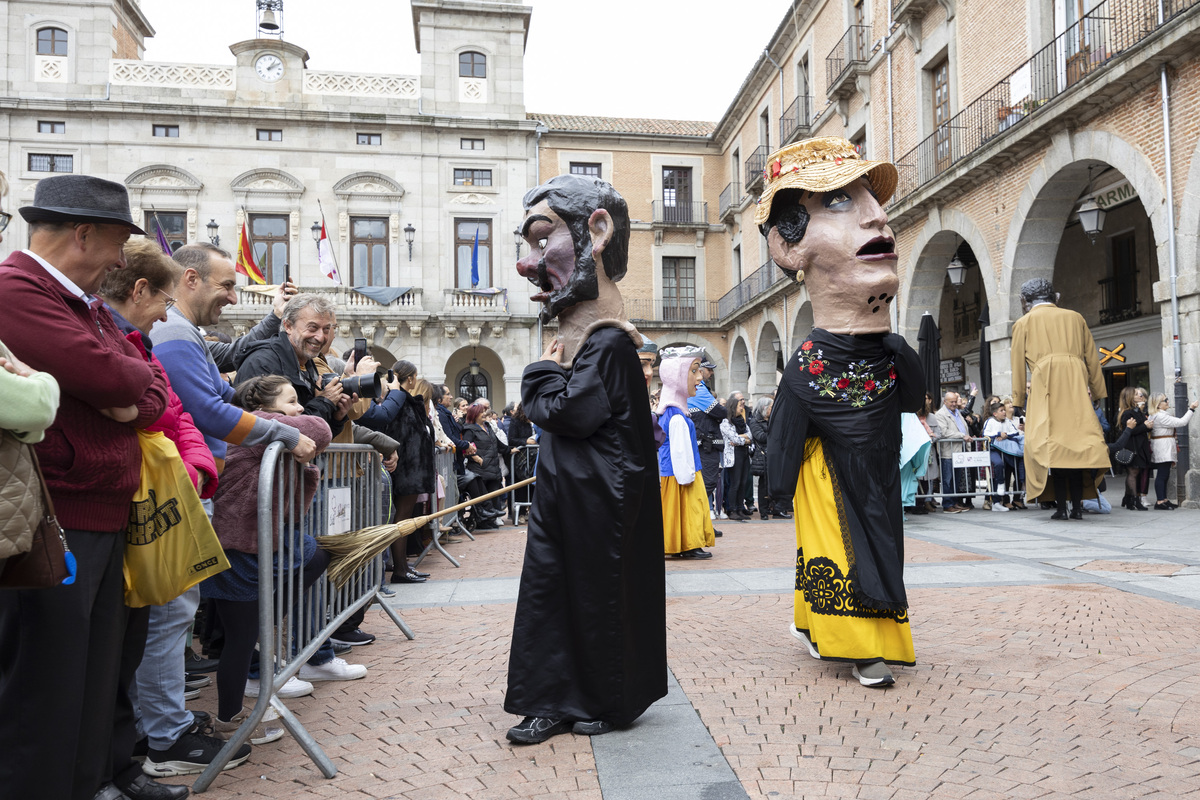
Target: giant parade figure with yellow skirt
{"points": [[687, 526], [834, 439]]}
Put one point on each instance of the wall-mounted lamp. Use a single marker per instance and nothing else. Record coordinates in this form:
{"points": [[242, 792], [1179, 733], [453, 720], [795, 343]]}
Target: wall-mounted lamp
{"points": [[410, 233], [778, 345], [213, 227], [519, 240], [316, 232], [474, 365], [956, 270], [1091, 217]]}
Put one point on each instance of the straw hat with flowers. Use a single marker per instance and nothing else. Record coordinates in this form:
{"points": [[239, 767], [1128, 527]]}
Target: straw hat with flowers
{"points": [[821, 165]]}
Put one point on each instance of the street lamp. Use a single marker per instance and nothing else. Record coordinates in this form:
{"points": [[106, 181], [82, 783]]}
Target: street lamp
{"points": [[316, 232], [519, 240], [410, 233], [213, 227], [1091, 217], [956, 270], [474, 365]]}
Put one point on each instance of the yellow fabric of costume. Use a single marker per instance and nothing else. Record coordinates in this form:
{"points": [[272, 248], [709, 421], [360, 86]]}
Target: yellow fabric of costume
{"points": [[825, 605], [686, 524]]}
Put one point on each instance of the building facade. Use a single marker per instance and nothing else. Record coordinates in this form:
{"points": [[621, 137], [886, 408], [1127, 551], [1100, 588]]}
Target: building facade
{"points": [[1002, 135]]}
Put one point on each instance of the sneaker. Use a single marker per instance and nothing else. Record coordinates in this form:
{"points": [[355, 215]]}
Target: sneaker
{"points": [[194, 751], [999, 507], [711, 514], [955, 510], [190, 694], [354, 637], [336, 669], [193, 662], [802, 636], [340, 649], [293, 688], [264, 733], [387, 591], [875, 676], [987, 505], [591, 727], [535, 730], [723, 515], [196, 681]]}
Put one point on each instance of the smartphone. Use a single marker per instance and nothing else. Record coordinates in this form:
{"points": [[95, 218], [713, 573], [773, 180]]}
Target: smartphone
{"points": [[391, 376], [360, 351]]}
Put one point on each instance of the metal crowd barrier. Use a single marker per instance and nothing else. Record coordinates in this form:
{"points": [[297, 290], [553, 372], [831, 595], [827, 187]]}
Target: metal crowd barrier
{"points": [[443, 526], [967, 456], [521, 499], [293, 621]]}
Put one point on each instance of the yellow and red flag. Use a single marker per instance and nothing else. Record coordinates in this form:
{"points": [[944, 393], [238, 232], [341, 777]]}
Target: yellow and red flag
{"points": [[245, 259]]}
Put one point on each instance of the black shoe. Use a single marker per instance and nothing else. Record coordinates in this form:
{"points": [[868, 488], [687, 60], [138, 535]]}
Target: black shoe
{"points": [[696, 553], [751, 510], [1137, 505], [765, 516], [142, 788], [591, 727], [1060, 514], [340, 649], [788, 515], [420, 574], [535, 730], [717, 532], [1076, 513], [190, 755], [196, 681], [407, 577], [1127, 502], [195, 663], [356, 637]]}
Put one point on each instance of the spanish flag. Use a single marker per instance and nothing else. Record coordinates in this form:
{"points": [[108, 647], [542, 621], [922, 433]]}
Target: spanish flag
{"points": [[245, 259]]}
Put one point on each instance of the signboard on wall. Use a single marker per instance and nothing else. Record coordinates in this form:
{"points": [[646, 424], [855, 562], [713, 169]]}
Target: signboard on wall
{"points": [[952, 370]]}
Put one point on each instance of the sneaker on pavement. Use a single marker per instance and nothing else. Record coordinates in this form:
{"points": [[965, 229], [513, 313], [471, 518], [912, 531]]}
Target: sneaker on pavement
{"points": [[267, 731], [142, 788], [802, 636], [196, 681], [340, 648], [723, 515], [293, 688], [355, 637], [194, 662], [336, 669], [875, 675], [999, 507], [193, 751], [190, 694]]}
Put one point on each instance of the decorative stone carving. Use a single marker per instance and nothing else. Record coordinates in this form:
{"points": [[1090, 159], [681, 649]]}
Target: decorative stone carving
{"points": [[497, 330], [344, 226], [391, 332], [239, 330], [414, 328], [164, 180], [126, 72], [267, 180], [294, 224], [191, 223], [472, 90], [374, 184], [138, 217], [473, 334], [397, 86], [240, 219], [471, 199], [344, 330], [394, 227], [368, 332], [451, 330], [51, 69]]}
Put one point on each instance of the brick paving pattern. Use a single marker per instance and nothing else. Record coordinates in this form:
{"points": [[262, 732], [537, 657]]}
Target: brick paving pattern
{"points": [[1080, 691]]}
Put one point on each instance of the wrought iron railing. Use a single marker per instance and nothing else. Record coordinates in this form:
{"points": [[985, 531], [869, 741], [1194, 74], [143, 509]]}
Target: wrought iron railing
{"points": [[693, 212], [796, 120], [853, 48], [1118, 298], [758, 283], [641, 310], [1105, 33], [755, 164], [731, 195]]}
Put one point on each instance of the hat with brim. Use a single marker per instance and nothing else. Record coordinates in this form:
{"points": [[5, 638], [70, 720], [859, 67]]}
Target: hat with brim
{"points": [[821, 165], [80, 198]]}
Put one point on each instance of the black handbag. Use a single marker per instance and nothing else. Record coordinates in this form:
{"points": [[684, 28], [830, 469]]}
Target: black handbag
{"points": [[1124, 456], [49, 561]]}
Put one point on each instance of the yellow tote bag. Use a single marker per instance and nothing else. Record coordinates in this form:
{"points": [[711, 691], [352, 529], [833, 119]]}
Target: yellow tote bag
{"points": [[170, 545]]}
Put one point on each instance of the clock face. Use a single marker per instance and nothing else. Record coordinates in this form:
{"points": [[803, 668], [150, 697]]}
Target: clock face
{"points": [[269, 67]]}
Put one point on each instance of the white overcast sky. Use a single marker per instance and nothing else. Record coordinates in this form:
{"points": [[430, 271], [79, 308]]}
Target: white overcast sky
{"points": [[669, 59]]}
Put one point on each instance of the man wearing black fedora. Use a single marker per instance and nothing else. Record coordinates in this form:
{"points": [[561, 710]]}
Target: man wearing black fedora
{"points": [[62, 649]]}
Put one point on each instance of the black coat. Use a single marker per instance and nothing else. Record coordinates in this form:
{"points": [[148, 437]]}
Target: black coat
{"points": [[589, 637], [453, 431], [1139, 441], [412, 428], [275, 356], [758, 430], [487, 447]]}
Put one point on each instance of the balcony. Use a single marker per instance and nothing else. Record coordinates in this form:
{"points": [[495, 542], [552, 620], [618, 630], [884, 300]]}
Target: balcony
{"points": [[648, 313], [1080, 52], [759, 282], [345, 297], [755, 165], [681, 214], [796, 121], [1118, 296], [846, 60], [730, 200]]}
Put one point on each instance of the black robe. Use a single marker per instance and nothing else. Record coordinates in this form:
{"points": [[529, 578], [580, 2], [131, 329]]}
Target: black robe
{"points": [[861, 441], [589, 638]]}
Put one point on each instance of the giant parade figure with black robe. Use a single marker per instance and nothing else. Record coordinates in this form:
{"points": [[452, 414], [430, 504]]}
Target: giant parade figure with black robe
{"points": [[834, 440], [589, 650]]}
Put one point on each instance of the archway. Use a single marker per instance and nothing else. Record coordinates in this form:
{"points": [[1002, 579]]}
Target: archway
{"points": [[485, 378], [961, 314], [803, 324], [768, 361], [739, 366]]}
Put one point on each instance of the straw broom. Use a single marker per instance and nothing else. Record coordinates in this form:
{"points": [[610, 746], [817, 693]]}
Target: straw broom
{"points": [[350, 551]]}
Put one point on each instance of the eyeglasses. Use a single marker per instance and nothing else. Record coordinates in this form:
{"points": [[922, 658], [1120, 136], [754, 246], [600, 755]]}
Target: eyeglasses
{"points": [[170, 300], [4, 220]]}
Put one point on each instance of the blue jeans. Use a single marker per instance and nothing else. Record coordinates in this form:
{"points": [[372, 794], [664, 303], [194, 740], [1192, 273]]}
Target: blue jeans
{"points": [[948, 484], [159, 680]]}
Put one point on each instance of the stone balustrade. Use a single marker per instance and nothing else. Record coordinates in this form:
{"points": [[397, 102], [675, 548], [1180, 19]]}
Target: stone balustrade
{"points": [[344, 296], [131, 72], [402, 87]]}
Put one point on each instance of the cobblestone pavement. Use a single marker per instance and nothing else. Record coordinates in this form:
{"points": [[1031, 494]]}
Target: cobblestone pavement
{"points": [[1054, 660]]}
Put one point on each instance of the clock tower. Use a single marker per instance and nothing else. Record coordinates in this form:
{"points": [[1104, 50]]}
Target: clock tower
{"points": [[270, 69]]}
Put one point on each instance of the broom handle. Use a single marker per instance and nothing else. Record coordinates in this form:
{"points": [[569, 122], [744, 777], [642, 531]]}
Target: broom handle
{"points": [[479, 499]]}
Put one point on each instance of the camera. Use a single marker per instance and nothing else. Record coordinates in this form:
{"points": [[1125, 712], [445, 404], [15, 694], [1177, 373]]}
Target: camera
{"points": [[365, 386]]}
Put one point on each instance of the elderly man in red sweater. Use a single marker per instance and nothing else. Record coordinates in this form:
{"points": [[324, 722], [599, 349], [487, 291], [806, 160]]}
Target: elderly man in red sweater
{"points": [[61, 648]]}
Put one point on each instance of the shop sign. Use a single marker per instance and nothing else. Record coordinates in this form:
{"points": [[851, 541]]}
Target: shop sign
{"points": [[1112, 355], [952, 370]]}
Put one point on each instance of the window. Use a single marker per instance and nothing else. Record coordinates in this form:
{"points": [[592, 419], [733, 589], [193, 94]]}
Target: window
{"points": [[764, 129], [737, 264], [860, 144], [174, 225], [862, 40], [269, 135], [368, 251], [50, 162], [588, 170], [51, 127], [679, 289], [677, 194], [803, 82], [470, 144], [51, 42], [472, 65], [168, 131], [941, 113], [472, 177], [1119, 292], [473, 387], [269, 238], [465, 231], [370, 138]]}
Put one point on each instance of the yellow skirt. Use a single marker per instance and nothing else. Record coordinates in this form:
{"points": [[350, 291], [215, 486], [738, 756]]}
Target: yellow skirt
{"points": [[826, 609], [686, 524]]}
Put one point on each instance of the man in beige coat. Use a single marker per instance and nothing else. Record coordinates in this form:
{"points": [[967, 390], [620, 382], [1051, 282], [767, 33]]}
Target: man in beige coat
{"points": [[1062, 435]]}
